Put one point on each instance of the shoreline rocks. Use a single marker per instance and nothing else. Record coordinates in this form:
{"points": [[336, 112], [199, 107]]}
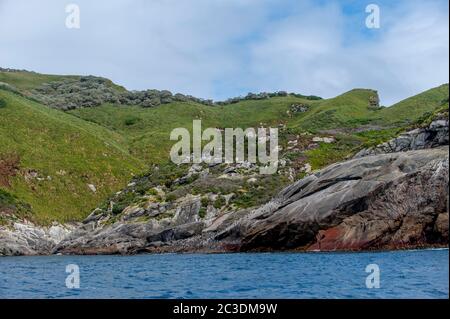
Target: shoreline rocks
{"points": [[393, 196], [361, 204], [368, 203], [434, 135], [28, 239]]}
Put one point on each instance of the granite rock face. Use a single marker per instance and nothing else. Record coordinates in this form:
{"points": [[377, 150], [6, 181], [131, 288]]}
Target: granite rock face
{"points": [[28, 239], [377, 202], [393, 196], [386, 201], [131, 235], [436, 134]]}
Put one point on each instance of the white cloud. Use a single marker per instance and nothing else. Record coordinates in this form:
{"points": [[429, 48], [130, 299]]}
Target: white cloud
{"points": [[224, 48], [308, 53]]}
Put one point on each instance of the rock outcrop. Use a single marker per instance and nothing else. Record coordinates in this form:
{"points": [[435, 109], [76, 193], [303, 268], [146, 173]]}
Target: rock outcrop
{"points": [[129, 235], [378, 202], [386, 201], [393, 196], [435, 134], [28, 239], [91, 91]]}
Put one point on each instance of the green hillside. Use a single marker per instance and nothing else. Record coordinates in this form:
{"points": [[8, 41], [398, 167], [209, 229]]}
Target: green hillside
{"points": [[148, 129], [350, 109], [25, 81], [49, 157], [410, 109], [28, 80], [58, 155], [355, 122]]}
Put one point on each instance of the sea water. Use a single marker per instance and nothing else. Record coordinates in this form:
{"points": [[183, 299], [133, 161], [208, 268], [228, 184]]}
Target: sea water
{"points": [[399, 274]]}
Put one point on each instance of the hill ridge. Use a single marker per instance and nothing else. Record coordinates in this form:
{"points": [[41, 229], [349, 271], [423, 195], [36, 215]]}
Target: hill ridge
{"points": [[100, 147]]}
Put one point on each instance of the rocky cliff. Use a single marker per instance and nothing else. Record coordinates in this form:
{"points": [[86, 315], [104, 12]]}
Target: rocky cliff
{"points": [[435, 134], [386, 201], [382, 201], [28, 239], [392, 196]]}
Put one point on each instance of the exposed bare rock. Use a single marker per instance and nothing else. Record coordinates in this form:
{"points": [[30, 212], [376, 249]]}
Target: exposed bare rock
{"points": [[299, 108], [326, 140], [374, 101], [441, 226], [435, 134], [119, 238], [177, 221], [28, 239], [383, 201]]}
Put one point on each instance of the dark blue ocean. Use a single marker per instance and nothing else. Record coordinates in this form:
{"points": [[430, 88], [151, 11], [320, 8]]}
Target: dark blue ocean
{"points": [[402, 274]]}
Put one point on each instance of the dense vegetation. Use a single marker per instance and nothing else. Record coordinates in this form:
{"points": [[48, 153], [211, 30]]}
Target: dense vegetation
{"points": [[59, 156], [71, 161], [71, 92], [10, 205]]}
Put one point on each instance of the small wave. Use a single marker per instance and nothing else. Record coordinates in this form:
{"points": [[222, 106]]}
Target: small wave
{"points": [[424, 249]]}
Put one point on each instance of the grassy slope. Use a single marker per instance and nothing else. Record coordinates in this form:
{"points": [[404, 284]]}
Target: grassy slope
{"points": [[410, 109], [26, 81], [149, 135], [149, 129], [50, 141], [347, 110], [350, 110], [75, 144]]}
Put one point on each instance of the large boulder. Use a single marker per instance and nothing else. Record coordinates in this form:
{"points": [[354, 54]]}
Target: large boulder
{"points": [[434, 135], [118, 238], [130, 235], [29, 239], [383, 201]]}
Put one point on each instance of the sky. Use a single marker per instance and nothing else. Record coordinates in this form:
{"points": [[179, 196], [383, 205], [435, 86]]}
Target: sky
{"points": [[224, 48]]}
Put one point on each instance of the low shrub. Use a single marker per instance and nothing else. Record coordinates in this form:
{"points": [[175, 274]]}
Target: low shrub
{"points": [[205, 201], [131, 120], [170, 197], [220, 202], [9, 165], [202, 212]]}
